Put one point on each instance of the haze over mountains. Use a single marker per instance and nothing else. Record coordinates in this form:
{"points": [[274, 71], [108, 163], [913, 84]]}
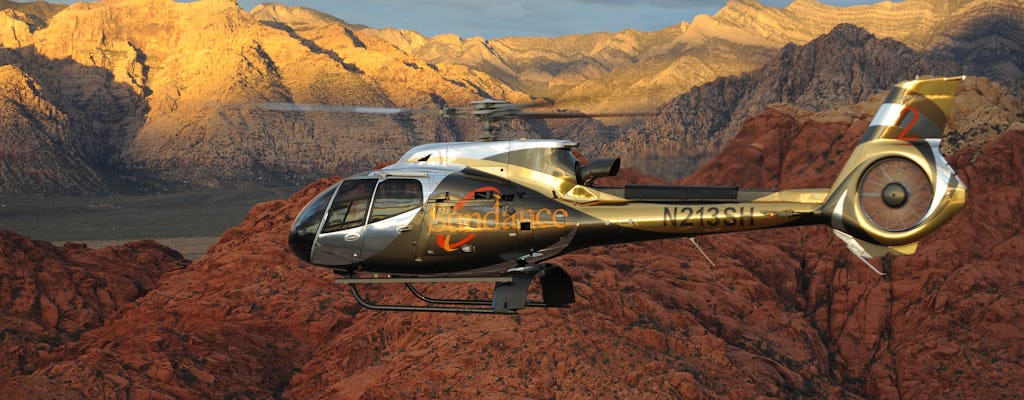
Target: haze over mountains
{"points": [[153, 94]]}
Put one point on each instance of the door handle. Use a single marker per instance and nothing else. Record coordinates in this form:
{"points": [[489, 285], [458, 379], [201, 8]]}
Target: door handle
{"points": [[351, 237], [403, 229]]}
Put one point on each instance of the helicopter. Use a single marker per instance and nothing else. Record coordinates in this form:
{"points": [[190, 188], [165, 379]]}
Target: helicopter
{"points": [[496, 210]]}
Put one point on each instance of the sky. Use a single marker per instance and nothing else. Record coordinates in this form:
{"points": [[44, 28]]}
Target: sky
{"points": [[500, 18]]}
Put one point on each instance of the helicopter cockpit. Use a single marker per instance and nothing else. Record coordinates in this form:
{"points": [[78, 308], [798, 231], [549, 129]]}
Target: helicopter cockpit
{"points": [[343, 216]]}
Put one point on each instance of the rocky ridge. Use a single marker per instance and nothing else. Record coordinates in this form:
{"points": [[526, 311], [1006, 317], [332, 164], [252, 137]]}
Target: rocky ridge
{"points": [[38, 12], [847, 65], [51, 295], [782, 313]]}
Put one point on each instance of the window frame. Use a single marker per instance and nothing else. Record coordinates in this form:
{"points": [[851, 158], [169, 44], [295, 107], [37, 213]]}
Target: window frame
{"points": [[413, 199], [331, 224]]}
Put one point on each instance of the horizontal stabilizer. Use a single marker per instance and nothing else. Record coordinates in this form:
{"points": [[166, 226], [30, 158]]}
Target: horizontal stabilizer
{"points": [[870, 250]]}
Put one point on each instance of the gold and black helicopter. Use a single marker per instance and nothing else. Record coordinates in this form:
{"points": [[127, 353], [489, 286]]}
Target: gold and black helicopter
{"points": [[496, 210]]}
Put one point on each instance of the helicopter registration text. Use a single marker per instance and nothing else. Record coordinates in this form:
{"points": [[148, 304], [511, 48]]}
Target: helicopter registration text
{"points": [[708, 216]]}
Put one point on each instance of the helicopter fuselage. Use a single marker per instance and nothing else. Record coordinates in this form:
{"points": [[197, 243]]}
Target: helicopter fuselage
{"points": [[483, 208], [495, 211]]}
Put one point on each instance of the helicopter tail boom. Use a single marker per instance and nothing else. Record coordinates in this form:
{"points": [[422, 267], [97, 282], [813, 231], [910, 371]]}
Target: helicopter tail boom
{"points": [[897, 187]]}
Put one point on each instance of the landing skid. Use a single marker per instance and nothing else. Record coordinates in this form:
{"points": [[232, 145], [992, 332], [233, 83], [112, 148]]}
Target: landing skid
{"points": [[509, 292]]}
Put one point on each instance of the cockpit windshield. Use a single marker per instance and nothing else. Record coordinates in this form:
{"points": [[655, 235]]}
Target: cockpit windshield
{"points": [[396, 196], [306, 224], [309, 218], [350, 205], [351, 208]]}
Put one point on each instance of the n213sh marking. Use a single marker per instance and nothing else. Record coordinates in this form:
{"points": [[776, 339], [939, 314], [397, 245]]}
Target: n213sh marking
{"points": [[708, 216]]}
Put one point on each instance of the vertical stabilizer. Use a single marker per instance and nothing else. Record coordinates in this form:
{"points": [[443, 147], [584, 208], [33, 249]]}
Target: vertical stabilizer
{"points": [[896, 186]]}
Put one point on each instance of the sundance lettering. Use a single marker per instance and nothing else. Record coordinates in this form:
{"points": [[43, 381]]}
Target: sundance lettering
{"points": [[493, 219]]}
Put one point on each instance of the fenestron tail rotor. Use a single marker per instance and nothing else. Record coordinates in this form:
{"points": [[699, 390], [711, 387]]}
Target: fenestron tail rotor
{"points": [[895, 194], [896, 186]]}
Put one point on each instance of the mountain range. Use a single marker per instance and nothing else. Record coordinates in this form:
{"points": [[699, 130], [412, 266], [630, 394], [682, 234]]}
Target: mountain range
{"points": [[154, 94], [845, 66], [639, 70]]}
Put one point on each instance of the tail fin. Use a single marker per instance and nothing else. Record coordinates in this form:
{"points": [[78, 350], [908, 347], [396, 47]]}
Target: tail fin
{"points": [[896, 187]]}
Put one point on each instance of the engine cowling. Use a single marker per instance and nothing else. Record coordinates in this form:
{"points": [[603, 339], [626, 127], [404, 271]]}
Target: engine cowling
{"points": [[600, 168]]}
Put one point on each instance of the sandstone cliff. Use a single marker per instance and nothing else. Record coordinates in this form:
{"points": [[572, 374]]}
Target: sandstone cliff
{"points": [[46, 154], [173, 92], [203, 81]]}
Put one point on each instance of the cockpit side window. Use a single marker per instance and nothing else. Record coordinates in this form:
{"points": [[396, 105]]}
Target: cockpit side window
{"points": [[396, 196], [350, 204]]}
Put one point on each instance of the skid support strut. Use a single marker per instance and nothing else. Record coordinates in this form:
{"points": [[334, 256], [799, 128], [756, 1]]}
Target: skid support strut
{"points": [[509, 293]]}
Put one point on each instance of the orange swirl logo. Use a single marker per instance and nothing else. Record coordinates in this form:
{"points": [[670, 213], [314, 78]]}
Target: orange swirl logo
{"points": [[488, 220]]}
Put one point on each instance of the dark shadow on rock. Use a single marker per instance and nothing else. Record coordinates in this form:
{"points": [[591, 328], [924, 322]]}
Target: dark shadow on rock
{"points": [[76, 143]]}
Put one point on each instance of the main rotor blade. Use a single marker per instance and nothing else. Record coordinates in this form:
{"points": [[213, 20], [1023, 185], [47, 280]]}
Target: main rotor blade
{"points": [[549, 115], [301, 107], [488, 110]]}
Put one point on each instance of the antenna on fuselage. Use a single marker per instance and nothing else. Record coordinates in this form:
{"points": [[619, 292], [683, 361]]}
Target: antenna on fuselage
{"points": [[693, 239]]}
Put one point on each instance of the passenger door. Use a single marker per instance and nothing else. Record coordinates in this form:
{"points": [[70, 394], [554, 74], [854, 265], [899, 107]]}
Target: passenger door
{"points": [[341, 237], [391, 220]]}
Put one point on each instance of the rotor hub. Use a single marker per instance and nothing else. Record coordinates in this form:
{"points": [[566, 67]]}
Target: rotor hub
{"points": [[894, 195]]}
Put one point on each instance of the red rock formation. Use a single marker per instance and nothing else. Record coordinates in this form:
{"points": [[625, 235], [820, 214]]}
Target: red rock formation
{"points": [[946, 321], [50, 295], [236, 323]]}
